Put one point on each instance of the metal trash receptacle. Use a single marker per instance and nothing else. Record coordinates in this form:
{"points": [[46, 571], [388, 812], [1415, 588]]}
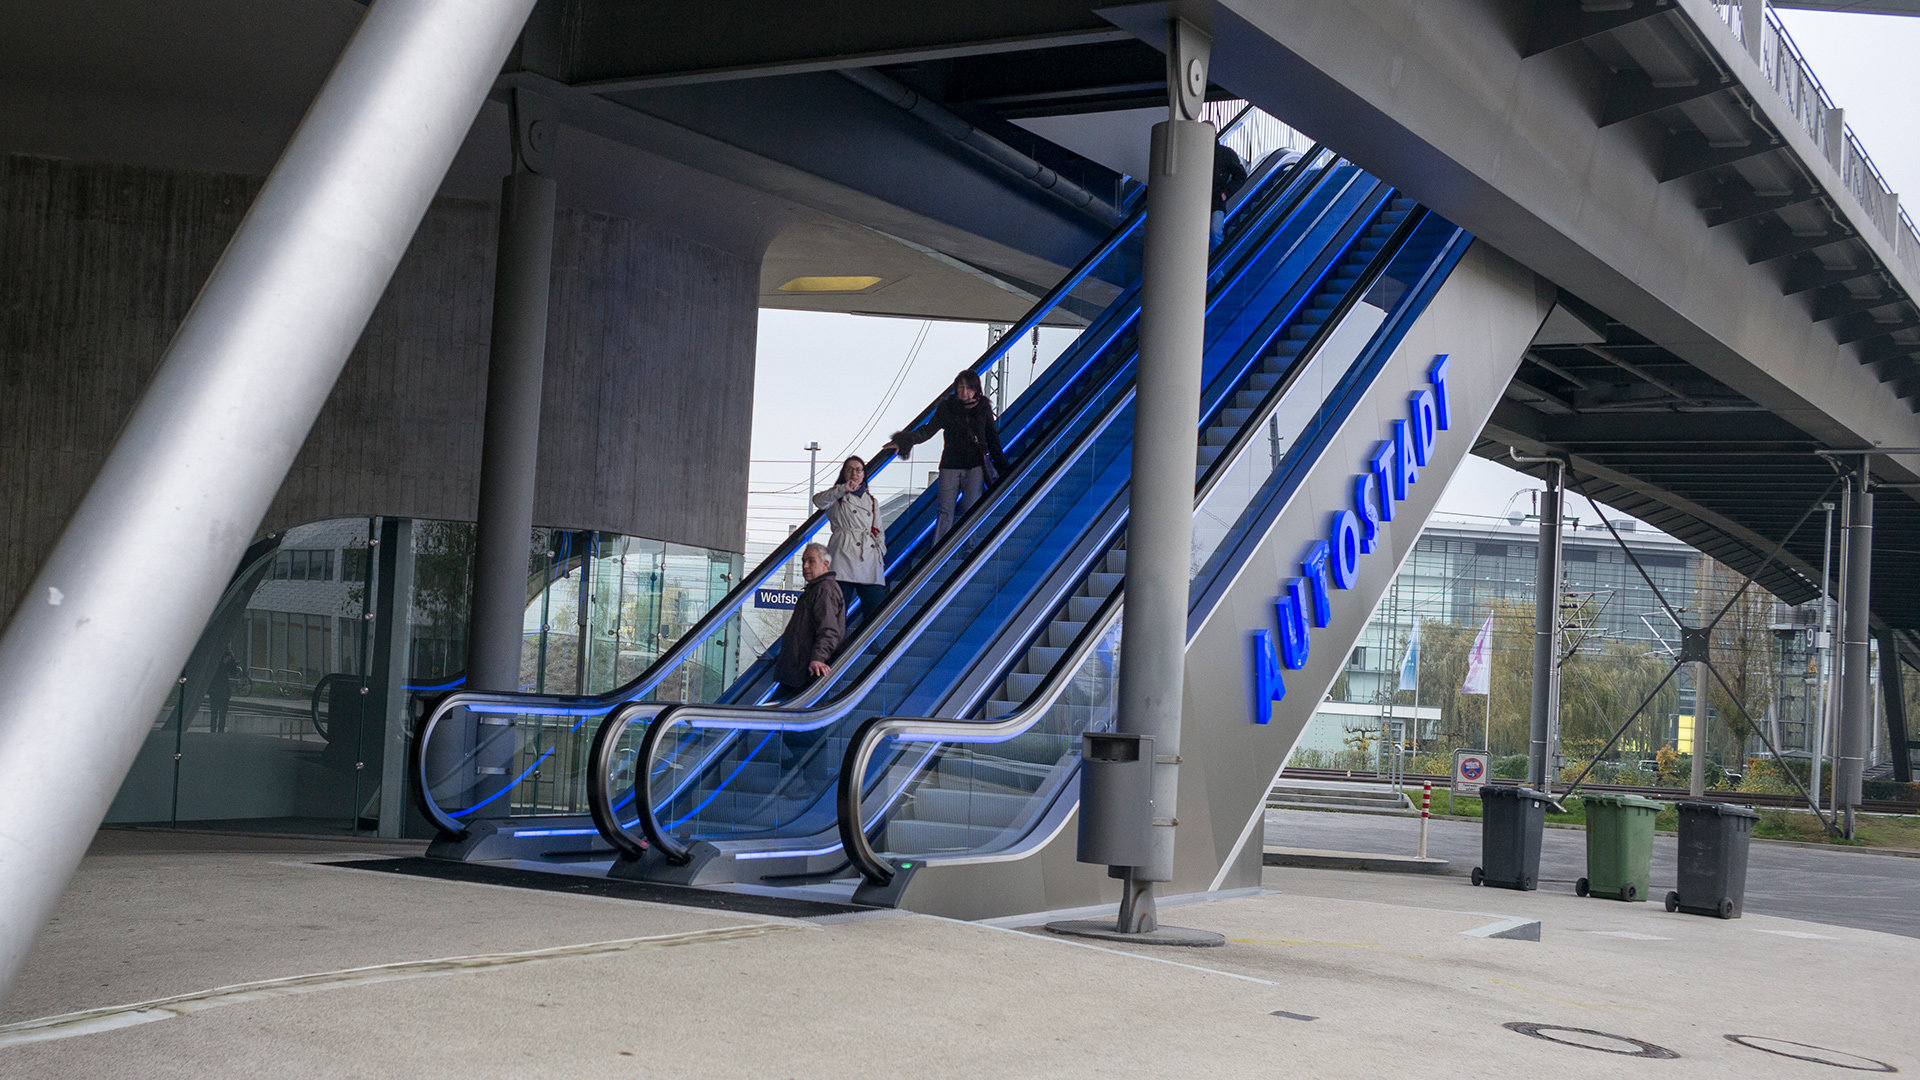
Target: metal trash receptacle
{"points": [[1713, 859], [1116, 798], [1511, 819], [1619, 845]]}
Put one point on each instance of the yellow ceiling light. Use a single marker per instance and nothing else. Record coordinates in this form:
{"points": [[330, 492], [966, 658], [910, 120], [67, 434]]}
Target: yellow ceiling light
{"points": [[855, 283]]}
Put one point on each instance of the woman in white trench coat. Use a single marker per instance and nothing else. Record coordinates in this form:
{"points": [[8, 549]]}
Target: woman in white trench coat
{"points": [[858, 543]]}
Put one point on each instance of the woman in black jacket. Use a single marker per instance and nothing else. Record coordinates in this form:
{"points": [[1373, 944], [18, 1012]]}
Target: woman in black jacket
{"points": [[971, 448]]}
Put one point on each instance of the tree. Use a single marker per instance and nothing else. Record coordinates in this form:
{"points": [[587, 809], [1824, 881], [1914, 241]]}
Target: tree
{"points": [[1745, 654]]}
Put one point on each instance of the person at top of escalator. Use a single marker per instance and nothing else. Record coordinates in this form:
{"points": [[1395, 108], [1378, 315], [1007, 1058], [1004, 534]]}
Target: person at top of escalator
{"points": [[814, 630], [971, 459], [1229, 176], [857, 547]]}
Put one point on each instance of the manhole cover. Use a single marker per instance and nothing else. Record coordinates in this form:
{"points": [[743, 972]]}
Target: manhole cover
{"points": [[1588, 1039], [1819, 1055]]}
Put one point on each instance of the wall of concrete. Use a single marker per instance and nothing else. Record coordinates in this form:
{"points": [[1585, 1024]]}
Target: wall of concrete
{"points": [[648, 392]]}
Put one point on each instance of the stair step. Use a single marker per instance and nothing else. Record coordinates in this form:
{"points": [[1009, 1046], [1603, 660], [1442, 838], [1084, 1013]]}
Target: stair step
{"points": [[1020, 685], [1041, 658], [1102, 584], [1062, 632]]}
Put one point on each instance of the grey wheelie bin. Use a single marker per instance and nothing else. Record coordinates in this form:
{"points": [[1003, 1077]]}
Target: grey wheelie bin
{"points": [[1511, 819], [1713, 859], [1619, 845]]}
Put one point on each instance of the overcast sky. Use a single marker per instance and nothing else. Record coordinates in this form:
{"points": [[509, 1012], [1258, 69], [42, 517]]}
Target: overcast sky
{"points": [[848, 381]]}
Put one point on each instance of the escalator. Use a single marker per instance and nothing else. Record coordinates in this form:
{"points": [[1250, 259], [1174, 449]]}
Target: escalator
{"points": [[736, 793], [504, 774], [1302, 519]]}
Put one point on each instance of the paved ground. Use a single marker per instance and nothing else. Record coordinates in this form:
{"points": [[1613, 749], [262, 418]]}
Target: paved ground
{"points": [[1833, 886], [253, 960]]}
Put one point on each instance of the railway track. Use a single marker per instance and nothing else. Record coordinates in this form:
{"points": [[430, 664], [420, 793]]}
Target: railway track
{"points": [[1745, 798]]}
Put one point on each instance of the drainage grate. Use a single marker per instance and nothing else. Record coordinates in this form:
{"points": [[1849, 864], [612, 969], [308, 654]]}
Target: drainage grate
{"points": [[1820, 1055], [1588, 1039]]}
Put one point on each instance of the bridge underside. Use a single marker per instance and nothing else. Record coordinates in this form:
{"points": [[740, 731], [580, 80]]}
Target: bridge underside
{"points": [[1736, 314]]}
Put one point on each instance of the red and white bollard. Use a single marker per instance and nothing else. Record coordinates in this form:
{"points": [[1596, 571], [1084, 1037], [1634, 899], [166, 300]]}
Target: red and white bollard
{"points": [[1426, 805]]}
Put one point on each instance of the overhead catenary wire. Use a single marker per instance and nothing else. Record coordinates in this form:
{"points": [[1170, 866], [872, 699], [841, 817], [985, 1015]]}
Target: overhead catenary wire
{"points": [[892, 391]]}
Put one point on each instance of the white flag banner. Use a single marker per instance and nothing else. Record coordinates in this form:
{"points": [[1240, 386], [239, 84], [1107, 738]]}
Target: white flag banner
{"points": [[1480, 660], [1410, 663]]}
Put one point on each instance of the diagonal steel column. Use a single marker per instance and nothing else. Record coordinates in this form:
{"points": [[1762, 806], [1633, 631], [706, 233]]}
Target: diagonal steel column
{"points": [[89, 655]]}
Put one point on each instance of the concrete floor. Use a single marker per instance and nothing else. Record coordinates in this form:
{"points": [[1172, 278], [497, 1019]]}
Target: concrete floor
{"points": [[1385, 966], [1837, 886]]}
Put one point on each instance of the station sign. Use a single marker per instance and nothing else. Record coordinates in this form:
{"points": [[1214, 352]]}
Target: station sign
{"points": [[776, 598], [1470, 770]]}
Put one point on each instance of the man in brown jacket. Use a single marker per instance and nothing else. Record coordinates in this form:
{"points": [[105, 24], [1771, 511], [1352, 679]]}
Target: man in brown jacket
{"points": [[813, 632], [806, 647]]}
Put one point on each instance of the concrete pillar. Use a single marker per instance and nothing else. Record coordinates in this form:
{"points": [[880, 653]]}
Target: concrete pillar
{"points": [[510, 448], [199, 461], [1173, 299], [1856, 690], [1546, 640]]}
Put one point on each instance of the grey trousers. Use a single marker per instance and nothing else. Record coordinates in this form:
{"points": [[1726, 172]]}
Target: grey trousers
{"points": [[963, 483]]}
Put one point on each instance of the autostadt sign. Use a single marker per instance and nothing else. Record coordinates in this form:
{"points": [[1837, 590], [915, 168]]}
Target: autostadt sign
{"points": [[1333, 562]]}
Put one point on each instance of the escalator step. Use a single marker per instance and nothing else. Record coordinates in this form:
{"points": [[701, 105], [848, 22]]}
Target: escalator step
{"points": [[1041, 658], [1062, 632], [1102, 584], [1021, 685]]}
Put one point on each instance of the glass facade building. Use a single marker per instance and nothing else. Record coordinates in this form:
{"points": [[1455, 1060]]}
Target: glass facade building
{"points": [[298, 706]]}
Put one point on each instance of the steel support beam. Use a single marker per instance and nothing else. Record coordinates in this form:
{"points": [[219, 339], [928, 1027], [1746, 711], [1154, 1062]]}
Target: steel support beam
{"points": [[1634, 94], [1809, 274], [1856, 696], [1563, 22], [1893, 694], [1776, 241], [1173, 300], [1545, 720], [1689, 152], [1735, 201], [88, 657], [385, 694]]}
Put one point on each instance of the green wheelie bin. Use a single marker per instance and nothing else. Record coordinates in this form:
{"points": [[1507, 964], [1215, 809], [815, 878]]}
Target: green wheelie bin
{"points": [[1619, 845]]}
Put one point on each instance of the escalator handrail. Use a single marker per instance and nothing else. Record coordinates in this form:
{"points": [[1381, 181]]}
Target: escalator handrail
{"points": [[867, 738], [805, 715]]}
